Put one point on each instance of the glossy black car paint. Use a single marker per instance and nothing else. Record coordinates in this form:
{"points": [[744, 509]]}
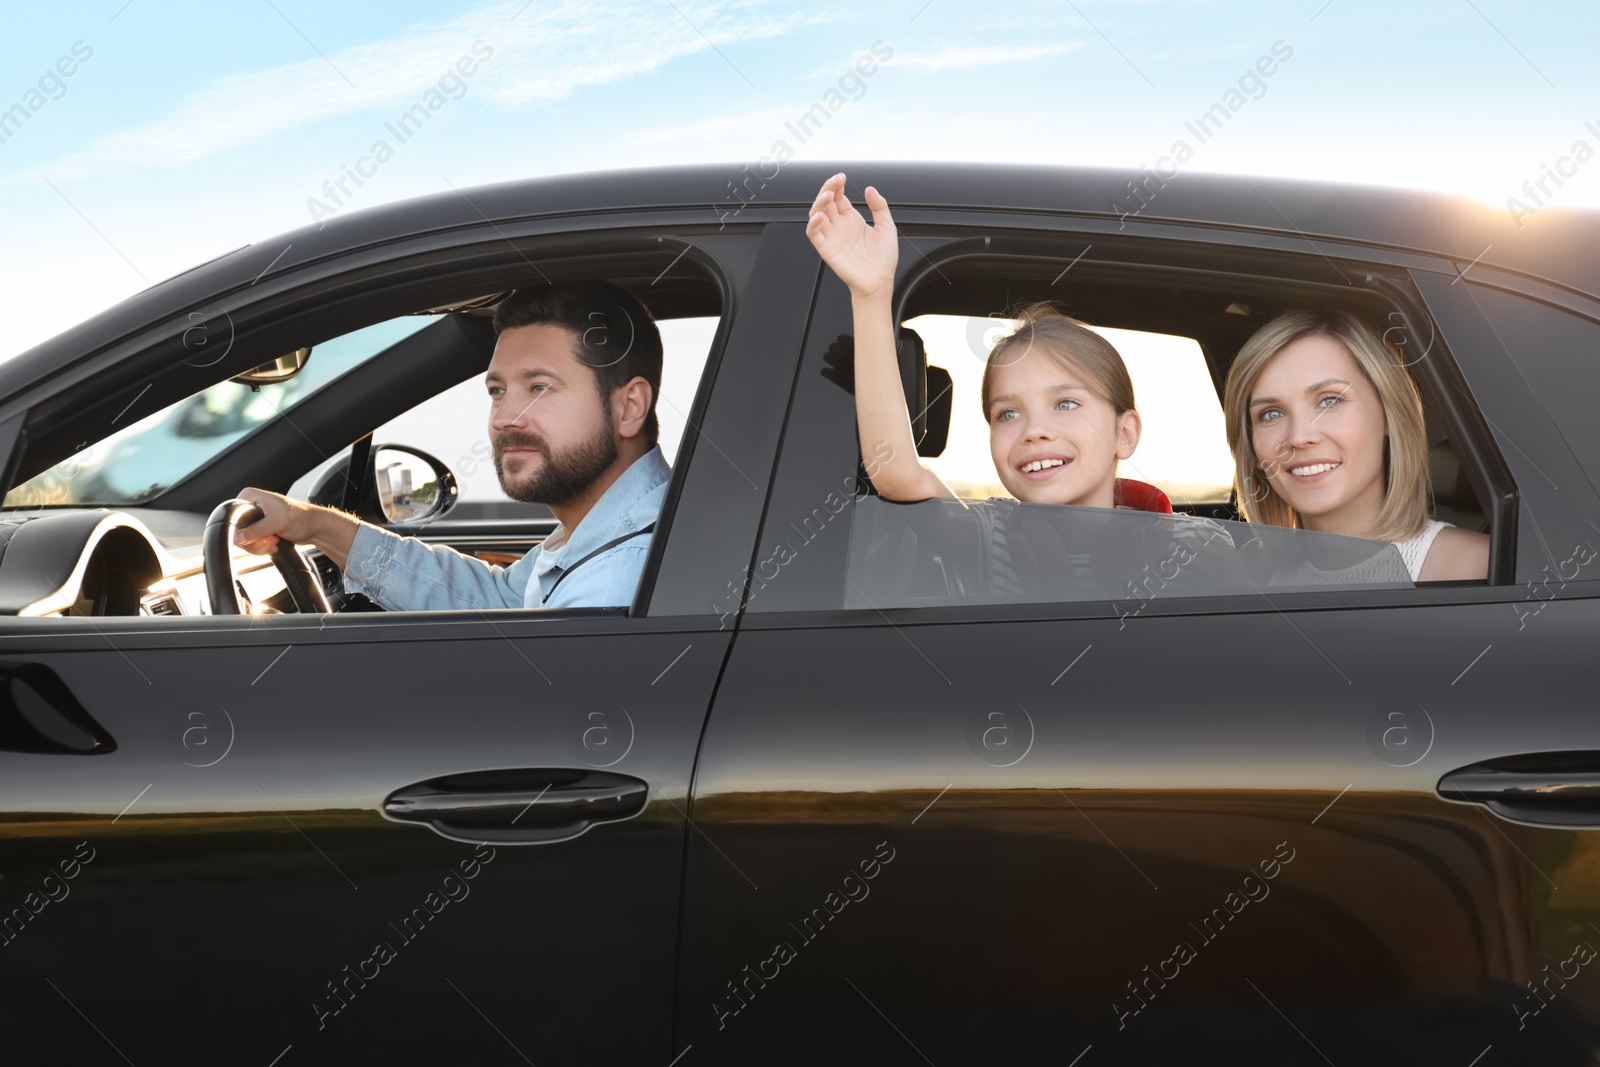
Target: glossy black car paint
{"points": [[1014, 910]]}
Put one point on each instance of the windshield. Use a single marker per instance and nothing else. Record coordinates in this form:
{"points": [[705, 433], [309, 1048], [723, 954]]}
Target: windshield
{"points": [[142, 460]]}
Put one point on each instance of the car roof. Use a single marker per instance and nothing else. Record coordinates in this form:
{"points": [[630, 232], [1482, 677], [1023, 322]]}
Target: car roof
{"points": [[1556, 247]]}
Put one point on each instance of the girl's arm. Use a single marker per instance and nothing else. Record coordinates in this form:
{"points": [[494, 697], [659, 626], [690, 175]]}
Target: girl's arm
{"points": [[864, 258]]}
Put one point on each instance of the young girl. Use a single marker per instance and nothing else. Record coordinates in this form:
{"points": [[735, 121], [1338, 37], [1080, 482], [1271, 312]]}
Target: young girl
{"points": [[1327, 434], [1056, 395]]}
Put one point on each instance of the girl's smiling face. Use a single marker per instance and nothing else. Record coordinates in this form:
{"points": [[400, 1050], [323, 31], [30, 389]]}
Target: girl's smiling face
{"points": [[1318, 430], [1053, 438]]}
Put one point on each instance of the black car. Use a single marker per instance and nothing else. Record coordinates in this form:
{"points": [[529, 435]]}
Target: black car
{"points": [[831, 790]]}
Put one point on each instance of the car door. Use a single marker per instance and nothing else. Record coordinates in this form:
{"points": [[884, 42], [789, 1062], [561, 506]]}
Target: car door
{"points": [[448, 836], [1156, 826]]}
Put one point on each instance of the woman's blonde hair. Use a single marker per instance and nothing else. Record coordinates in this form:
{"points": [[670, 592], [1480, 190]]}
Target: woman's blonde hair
{"points": [[1072, 344], [1407, 493]]}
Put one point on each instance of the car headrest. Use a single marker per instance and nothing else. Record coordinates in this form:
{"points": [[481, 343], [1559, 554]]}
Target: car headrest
{"points": [[1450, 487], [1454, 500], [928, 392]]}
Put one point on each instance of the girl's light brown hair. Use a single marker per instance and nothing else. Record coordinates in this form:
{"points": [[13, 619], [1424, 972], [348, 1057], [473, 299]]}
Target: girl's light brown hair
{"points": [[1406, 498], [1072, 344]]}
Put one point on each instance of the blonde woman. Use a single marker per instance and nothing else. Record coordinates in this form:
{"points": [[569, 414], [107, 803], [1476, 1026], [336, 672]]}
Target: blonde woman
{"points": [[1327, 434]]}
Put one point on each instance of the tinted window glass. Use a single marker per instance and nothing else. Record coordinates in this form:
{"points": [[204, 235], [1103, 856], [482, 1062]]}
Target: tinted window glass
{"points": [[945, 552]]}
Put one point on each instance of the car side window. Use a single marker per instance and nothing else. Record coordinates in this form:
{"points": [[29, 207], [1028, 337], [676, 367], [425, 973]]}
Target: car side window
{"points": [[831, 543], [990, 548]]}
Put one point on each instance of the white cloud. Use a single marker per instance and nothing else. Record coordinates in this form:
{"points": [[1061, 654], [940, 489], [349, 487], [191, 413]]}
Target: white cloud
{"points": [[965, 57], [540, 54]]}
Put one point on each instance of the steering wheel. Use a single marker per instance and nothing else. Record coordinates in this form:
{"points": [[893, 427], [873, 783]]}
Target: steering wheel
{"points": [[217, 547]]}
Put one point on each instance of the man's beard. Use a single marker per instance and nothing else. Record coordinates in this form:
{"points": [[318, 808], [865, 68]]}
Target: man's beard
{"points": [[564, 476]]}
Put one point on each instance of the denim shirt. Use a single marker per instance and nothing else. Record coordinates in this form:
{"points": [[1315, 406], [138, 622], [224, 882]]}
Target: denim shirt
{"points": [[406, 574]]}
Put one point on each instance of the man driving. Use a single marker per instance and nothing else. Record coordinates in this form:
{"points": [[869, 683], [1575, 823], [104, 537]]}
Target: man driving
{"points": [[572, 392]]}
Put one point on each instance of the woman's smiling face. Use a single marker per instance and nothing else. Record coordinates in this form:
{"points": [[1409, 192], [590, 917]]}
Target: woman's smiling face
{"points": [[1055, 440], [1318, 429]]}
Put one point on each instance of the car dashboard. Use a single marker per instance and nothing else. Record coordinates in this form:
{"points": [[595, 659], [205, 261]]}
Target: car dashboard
{"points": [[69, 562]]}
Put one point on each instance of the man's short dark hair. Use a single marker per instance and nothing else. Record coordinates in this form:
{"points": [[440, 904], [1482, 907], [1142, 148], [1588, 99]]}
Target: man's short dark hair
{"points": [[617, 338]]}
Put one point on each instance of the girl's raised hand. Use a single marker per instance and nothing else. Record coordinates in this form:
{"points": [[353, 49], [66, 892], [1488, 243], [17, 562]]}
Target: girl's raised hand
{"points": [[863, 256]]}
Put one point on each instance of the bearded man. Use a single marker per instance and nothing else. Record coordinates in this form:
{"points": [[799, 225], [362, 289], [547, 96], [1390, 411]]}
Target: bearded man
{"points": [[572, 392]]}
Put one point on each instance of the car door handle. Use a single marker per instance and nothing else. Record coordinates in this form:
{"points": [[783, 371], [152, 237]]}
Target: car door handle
{"points": [[39, 714], [1550, 788], [536, 806]]}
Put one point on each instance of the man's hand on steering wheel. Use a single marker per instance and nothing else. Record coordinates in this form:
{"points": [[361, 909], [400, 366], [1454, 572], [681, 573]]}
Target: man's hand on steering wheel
{"points": [[281, 519], [293, 520]]}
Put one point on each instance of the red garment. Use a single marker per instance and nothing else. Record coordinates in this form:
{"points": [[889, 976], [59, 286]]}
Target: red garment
{"points": [[1141, 496]]}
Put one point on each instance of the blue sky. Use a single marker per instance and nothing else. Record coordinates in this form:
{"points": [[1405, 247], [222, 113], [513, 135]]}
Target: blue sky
{"points": [[192, 129]]}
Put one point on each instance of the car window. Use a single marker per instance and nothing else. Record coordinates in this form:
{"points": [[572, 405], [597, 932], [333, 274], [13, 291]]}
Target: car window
{"points": [[830, 543], [453, 426], [947, 552], [140, 461], [1183, 448]]}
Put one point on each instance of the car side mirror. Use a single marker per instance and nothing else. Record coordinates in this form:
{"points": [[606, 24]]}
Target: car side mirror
{"points": [[402, 485], [412, 486]]}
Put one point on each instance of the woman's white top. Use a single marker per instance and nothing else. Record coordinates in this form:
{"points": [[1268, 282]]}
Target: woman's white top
{"points": [[1415, 549]]}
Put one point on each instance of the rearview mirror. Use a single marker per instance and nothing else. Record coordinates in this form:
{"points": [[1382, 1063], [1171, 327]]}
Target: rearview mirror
{"points": [[279, 370]]}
